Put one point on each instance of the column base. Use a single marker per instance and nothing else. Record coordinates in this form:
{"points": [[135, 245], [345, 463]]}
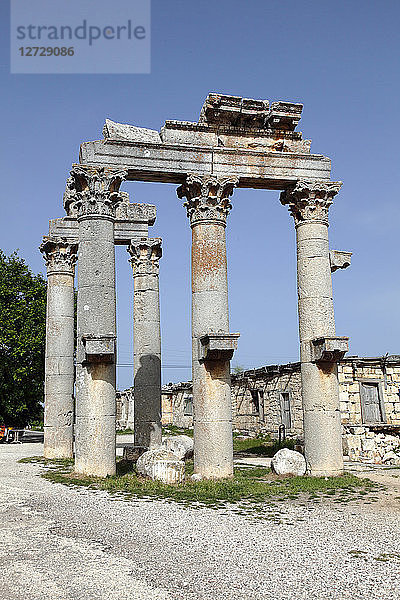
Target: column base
{"points": [[95, 448], [213, 449], [58, 444]]}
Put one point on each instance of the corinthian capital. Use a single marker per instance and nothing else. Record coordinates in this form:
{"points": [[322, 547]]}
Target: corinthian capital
{"points": [[309, 200], [145, 256], [207, 198], [93, 191], [59, 255]]}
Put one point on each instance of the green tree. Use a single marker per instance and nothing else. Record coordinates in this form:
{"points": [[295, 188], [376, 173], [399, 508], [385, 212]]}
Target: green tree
{"points": [[22, 341]]}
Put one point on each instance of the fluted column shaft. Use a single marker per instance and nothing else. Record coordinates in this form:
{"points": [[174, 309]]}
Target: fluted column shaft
{"points": [[145, 257], [309, 203], [207, 207], [60, 260], [96, 199]]}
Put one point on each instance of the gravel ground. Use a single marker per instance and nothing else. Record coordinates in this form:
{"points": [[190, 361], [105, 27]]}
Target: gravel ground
{"points": [[59, 543]]}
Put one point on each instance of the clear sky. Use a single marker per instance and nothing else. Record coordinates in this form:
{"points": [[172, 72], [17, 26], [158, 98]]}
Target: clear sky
{"points": [[338, 57]]}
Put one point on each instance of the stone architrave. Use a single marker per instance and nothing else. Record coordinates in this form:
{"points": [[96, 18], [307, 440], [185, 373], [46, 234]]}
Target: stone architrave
{"points": [[309, 202], [207, 207], [60, 257], [251, 139], [145, 256], [93, 196]]}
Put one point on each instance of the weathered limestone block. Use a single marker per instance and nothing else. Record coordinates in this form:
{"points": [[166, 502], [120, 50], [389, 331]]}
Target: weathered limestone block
{"points": [[119, 131], [161, 465], [180, 445], [339, 259], [343, 407], [357, 430], [391, 458], [368, 445], [354, 441], [288, 462]]}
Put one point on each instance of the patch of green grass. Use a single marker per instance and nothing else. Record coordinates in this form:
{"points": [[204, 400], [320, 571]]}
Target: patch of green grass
{"points": [[174, 430], [125, 431], [248, 487], [260, 446]]}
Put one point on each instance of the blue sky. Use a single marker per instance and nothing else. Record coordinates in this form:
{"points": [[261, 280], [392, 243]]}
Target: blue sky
{"points": [[339, 58]]}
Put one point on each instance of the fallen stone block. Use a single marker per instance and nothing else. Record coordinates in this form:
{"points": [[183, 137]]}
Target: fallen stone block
{"points": [[161, 465], [180, 445], [133, 452], [288, 462], [391, 458]]}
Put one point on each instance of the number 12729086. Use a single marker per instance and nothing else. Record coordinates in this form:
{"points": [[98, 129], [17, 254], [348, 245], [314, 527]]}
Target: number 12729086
{"points": [[46, 51]]}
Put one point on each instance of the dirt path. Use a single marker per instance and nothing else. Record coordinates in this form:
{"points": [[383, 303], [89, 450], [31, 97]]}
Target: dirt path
{"points": [[62, 543]]}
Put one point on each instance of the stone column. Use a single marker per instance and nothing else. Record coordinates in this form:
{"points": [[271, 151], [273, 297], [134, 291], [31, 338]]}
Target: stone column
{"points": [[212, 345], [60, 257], [93, 196], [145, 256], [309, 203]]}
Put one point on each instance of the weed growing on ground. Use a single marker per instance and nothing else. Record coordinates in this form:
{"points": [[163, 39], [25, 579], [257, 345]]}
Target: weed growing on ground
{"points": [[386, 557]]}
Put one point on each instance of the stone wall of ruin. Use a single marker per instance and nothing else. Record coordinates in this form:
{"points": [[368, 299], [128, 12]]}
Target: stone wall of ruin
{"points": [[351, 374], [360, 440], [269, 416], [174, 400]]}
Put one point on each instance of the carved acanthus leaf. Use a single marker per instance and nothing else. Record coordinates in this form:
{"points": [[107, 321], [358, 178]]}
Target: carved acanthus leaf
{"points": [[309, 200], [60, 256], [145, 256], [207, 197], [94, 191]]}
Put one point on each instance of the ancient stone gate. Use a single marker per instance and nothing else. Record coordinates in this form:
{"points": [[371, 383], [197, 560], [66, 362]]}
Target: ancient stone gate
{"points": [[237, 142]]}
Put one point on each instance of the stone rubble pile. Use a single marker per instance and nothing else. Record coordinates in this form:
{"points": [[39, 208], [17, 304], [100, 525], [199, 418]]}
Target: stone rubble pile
{"points": [[362, 444]]}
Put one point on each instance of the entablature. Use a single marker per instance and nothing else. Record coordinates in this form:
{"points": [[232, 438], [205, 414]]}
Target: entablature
{"points": [[131, 224], [249, 139]]}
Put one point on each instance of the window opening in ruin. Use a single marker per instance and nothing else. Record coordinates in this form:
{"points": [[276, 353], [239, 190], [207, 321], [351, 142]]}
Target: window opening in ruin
{"points": [[255, 402], [286, 415], [261, 404], [372, 408], [188, 407]]}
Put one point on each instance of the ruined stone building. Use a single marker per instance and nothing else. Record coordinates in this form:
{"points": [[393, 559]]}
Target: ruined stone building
{"points": [[264, 399], [235, 143]]}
